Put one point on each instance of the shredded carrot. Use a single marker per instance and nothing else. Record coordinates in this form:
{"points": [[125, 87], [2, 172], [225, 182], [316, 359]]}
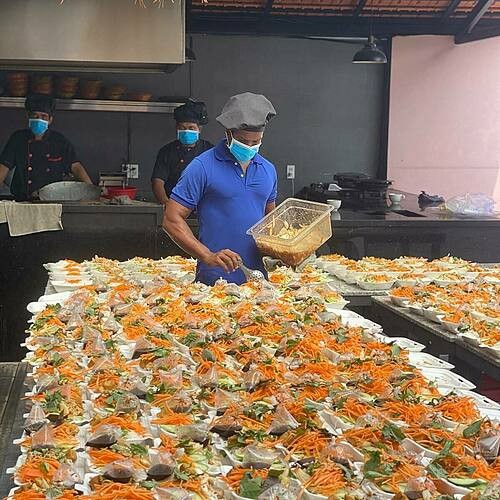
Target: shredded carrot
{"points": [[121, 422], [174, 419], [103, 456], [115, 491], [326, 480], [36, 468]]}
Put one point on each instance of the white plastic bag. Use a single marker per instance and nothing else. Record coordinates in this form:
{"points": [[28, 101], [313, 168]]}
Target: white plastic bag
{"points": [[471, 204]]}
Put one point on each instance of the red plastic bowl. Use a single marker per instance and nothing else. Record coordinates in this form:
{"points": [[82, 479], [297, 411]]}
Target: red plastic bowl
{"points": [[119, 191]]}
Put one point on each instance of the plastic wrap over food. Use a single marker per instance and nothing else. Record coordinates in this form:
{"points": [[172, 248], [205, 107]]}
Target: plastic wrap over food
{"points": [[172, 494], [111, 324], [162, 466], [172, 379], [489, 444], [75, 321], [96, 346], [46, 382], [66, 476], [193, 432], [225, 399], [137, 386], [259, 457], [142, 346], [180, 402], [103, 436], [102, 364], [127, 403], [120, 471], [36, 419], [89, 333], [43, 438], [208, 379], [282, 422]]}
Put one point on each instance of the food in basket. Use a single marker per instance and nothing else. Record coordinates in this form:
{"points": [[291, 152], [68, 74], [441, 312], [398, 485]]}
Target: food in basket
{"points": [[293, 230]]}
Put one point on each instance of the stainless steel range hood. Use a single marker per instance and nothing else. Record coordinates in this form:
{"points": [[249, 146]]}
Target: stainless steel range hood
{"points": [[91, 35]]}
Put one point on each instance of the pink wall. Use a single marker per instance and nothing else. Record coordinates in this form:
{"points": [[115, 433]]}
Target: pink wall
{"points": [[444, 129]]}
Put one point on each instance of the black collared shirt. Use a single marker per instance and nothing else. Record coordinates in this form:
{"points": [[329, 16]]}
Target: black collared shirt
{"points": [[36, 163], [173, 158]]}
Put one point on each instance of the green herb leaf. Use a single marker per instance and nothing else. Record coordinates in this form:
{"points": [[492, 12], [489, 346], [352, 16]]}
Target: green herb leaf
{"points": [[473, 429], [52, 401], [44, 467], [138, 450], [436, 470], [393, 432], [395, 351], [250, 487], [373, 463], [309, 407], [340, 335], [182, 476], [110, 344], [445, 452]]}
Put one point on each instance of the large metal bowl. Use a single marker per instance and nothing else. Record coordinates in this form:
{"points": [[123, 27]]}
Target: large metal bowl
{"points": [[69, 191]]}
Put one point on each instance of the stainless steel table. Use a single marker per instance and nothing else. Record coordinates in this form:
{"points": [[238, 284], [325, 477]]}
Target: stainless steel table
{"points": [[471, 361], [12, 407]]}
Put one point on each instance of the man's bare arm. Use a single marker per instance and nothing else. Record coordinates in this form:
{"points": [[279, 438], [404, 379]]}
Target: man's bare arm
{"points": [[80, 173], [158, 186], [3, 173], [175, 225], [270, 207]]}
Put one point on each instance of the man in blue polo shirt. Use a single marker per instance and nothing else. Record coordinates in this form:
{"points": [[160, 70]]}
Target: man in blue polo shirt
{"points": [[231, 187]]}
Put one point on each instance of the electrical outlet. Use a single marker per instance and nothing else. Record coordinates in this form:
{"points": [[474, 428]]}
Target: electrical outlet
{"points": [[290, 171], [132, 170]]}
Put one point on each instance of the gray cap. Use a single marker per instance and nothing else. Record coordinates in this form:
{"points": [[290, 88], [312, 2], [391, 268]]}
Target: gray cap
{"points": [[246, 111]]}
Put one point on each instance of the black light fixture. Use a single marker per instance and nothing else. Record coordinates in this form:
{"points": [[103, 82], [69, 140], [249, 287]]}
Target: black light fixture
{"points": [[369, 54]]}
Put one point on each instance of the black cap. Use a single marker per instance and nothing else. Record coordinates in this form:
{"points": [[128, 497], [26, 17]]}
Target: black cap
{"points": [[193, 111], [41, 103]]}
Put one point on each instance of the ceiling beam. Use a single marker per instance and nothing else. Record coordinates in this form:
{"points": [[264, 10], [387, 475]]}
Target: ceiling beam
{"points": [[319, 26], [359, 8], [474, 17], [452, 6], [478, 34], [267, 9]]}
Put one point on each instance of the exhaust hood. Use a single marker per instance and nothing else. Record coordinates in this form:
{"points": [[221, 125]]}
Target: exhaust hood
{"points": [[91, 35]]}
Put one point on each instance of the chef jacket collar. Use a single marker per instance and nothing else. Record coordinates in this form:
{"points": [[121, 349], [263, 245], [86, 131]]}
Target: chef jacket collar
{"points": [[45, 136], [222, 153]]}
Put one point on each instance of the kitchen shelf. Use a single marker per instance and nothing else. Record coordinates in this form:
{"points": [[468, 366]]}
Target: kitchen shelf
{"points": [[99, 105]]}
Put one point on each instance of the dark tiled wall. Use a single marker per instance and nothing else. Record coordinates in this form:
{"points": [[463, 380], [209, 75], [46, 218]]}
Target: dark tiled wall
{"points": [[329, 110]]}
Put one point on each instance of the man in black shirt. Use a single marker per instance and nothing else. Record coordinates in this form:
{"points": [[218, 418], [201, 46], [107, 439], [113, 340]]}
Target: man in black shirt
{"points": [[39, 156], [175, 156]]}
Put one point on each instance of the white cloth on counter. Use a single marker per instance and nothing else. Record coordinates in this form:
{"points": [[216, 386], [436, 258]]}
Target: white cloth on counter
{"points": [[3, 216], [28, 218]]}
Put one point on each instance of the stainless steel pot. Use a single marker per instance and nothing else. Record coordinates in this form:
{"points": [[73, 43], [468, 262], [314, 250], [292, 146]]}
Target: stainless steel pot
{"points": [[69, 191]]}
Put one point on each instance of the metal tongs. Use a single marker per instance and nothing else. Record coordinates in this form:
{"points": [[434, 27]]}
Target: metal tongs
{"points": [[252, 274]]}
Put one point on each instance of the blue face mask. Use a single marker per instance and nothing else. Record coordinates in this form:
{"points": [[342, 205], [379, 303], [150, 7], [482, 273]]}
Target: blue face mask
{"points": [[188, 137], [242, 152], [38, 126]]}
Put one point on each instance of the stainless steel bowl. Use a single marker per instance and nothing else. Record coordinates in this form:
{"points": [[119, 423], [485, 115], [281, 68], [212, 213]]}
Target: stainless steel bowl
{"points": [[69, 191]]}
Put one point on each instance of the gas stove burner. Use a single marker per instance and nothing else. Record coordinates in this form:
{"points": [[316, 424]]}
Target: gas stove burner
{"points": [[358, 191], [349, 180]]}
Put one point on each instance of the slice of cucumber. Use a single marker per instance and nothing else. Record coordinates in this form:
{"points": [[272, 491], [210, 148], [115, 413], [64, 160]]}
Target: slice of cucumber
{"points": [[466, 482]]}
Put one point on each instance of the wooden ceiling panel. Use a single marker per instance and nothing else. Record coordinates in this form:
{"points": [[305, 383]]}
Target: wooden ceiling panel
{"points": [[383, 8]]}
